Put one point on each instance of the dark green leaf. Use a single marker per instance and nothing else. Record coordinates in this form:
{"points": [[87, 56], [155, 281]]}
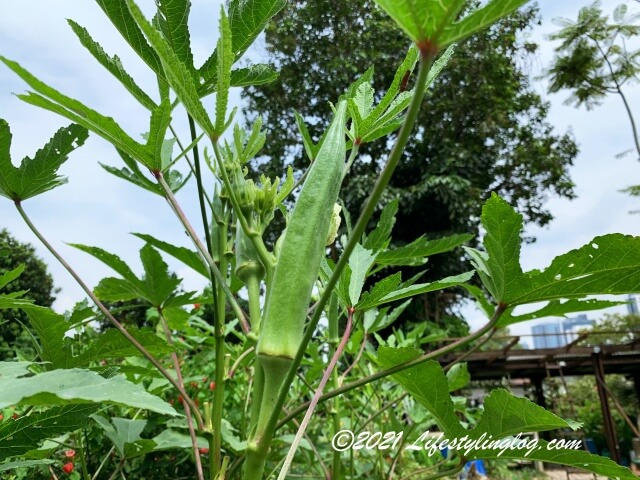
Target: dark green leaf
{"points": [[186, 256], [380, 290], [25, 433], [121, 430], [120, 16], [156, 143], [380, 237], [50, 328], [113, 65], [109, 259], [10, 276], [22, 464], [38, 174], [248, 18], [158, 284], [360, 262], [173, 20], [177, 74], [416, 251], [112, 289], [421, 288], [426, 383], [259, 74], [225, 62]]}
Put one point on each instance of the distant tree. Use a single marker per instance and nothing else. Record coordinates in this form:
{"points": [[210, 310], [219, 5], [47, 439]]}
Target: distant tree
{"points": [[483, 129], [36, 279]]}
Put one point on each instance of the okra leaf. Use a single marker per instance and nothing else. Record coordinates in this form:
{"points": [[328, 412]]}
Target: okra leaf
{"points": [[310, 148], [121, 430], [477, 20], [225, 62], [186, 256], [38, 174], [157, 284], [415, 252], [458, 377], [421, 19], [607, 265], [11, 275], [120, 15], [480, 297], [380, 237], [112, 289], [112, 64], [50, 328], [375, 321], [111, 260], [14, 369], [177, 74], [248, 19], [360, 262], [156, 145], [253, 75], [379, 291], [25, 433], [421, 288], [23, 464], [76, 386], [426, 383], [505, 414], [173, 19], [556, 308], [574, 458]]}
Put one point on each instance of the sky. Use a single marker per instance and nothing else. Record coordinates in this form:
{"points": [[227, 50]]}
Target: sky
{"points": [[95, 208]]}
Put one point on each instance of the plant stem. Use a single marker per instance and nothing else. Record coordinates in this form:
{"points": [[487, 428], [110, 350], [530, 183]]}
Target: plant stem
{"points": [[403, 366], [215, 457], [198, 244], [253, 289], [187, 409], [383, 180], [314, 401], [105, 311], [268, 260]]}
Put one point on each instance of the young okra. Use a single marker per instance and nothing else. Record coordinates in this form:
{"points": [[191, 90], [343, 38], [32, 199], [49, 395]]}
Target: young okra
{"points": [[298, 263]]}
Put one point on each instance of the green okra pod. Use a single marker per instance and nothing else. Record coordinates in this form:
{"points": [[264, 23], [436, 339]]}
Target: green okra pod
{"points": [[303, 247]]}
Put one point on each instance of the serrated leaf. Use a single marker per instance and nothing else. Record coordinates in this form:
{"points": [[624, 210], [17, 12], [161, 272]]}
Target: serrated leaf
{"points": [[177, 74], [480, 297], [556, 308], [380, 290], [119, 14], [157, 284], [426, 383], [170, 439], [112, 289], [74, 386], [385, 318], [422, 20], [421, 288], [286, 188], [253, 75], [113, 65], [121, 430], [156, 143], [50, 328], [25, 433], [38, 174], [54, 101], [310, 148], [248, 19], [505, 414], [174, 23], [458, 377], [477, 20], [360, 262], [225, 62], [380, 237], [11, 275], [573, 458], [109, 259], [186, 256], [419, 249]]}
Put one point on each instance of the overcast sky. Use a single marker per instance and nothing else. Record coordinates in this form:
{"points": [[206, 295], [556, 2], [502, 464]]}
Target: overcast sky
{"points": [[98, 209]]}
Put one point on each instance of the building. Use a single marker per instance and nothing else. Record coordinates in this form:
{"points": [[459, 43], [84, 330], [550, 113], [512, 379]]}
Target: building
{"points": [[559, 333]]}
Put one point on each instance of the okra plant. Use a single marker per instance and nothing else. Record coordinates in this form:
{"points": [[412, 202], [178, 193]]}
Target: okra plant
{"points": [[291, 347]]}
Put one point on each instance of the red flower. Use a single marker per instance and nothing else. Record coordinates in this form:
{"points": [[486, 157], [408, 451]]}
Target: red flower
{"points": [[67, 468], [212, 386], [196, 306], [203, 451], [70, 453]]}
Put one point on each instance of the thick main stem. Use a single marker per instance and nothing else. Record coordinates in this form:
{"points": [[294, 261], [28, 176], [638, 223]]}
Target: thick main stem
{"points": [[314, 401], [105, 311]]}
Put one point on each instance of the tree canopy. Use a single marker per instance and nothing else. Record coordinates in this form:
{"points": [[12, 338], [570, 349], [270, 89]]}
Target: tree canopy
{"points": [[483, 128]]}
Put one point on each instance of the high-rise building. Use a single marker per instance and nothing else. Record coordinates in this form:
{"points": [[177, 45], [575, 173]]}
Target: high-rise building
{"points": [[559, 333]]}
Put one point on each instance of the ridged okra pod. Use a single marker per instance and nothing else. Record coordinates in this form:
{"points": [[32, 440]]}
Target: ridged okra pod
{"points": [[303, 247], [296, 270]]}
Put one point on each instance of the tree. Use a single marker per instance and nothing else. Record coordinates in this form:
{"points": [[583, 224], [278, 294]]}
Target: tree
{"points": [[35, 279], [483, 129]]}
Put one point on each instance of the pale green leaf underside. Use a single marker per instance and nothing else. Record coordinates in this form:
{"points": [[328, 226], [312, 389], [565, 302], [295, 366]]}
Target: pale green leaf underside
{"points": [[63, 387]]}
